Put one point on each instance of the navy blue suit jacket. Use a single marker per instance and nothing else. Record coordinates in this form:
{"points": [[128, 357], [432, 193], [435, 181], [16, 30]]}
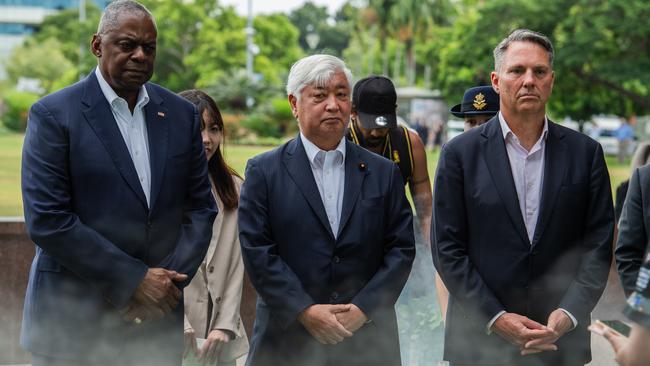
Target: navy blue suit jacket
{"points": [[87, 213], [294, 260], [484, 255]]}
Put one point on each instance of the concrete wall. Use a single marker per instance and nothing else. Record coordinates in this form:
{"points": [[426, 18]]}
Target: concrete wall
{"points": [[16, 253]]}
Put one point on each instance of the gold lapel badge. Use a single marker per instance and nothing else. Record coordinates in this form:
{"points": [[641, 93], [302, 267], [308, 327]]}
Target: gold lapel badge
{"points": [[479, 101]]}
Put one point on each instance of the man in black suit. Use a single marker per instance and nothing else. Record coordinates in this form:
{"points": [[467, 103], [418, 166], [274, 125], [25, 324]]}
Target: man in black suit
{"points": [[632, 244], [522, 225], [117, 200], [326, 235]]}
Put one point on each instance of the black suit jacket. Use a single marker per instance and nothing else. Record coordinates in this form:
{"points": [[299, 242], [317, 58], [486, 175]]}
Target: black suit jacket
{"points": [[483, 253], [95, 234], [294, 260], [633, 229]]}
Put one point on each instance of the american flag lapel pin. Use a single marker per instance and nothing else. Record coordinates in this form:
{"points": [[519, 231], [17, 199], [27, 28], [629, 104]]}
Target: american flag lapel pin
{"points": [[161, 114]]}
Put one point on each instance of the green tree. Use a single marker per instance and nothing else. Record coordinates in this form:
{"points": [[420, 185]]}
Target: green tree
{"points": [[311, 18], [179, 24], [73, 37], [383, 10], [602, 63], [277, 40], [413, 21], [39, 60], [466, 57]]}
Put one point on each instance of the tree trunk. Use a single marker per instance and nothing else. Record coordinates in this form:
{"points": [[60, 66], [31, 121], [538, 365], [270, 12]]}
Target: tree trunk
{"points": [[410, 63], [396, 64]]}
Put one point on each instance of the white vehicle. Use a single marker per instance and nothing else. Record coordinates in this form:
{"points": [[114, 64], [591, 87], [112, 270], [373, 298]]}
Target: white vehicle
{"points": [[603, 129], [454, 128]]}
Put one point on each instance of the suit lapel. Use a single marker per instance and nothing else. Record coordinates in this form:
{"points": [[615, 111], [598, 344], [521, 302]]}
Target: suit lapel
{"points": [[97, 112], [554, 168], [157, 131], [496, 157], [353, 182], [297, 164]]}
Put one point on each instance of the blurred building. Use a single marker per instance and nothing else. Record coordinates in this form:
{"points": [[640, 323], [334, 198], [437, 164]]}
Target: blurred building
{"points": [[20, 18]]}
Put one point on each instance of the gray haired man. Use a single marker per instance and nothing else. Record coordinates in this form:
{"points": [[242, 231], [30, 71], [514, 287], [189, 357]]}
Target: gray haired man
{"points": [[326, 234]]}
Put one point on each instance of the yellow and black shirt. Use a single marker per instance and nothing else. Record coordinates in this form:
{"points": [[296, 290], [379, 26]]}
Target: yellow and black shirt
{"points": [[397, 148]]}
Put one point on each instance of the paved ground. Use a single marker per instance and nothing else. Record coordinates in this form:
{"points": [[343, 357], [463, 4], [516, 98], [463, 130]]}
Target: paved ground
{"points": [[609, 308]]}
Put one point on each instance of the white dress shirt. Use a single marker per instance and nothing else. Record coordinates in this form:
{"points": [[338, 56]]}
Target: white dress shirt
{"points": [[528, 174], [329, 172], [133, 129]]}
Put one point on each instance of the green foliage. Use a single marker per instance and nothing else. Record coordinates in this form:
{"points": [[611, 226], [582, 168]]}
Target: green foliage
{"points": [[199, 43], [38, 60], [277, 39], [231, 89], [179, 23], [314, 19], [261, 125], [17, 106], [272, 119], [601, 63], [602, 59], [73, 37]]}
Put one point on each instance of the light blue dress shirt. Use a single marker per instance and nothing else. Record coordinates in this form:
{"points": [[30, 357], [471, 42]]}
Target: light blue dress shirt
{"points": [[528, 174], [133, 129], [329, 172]]}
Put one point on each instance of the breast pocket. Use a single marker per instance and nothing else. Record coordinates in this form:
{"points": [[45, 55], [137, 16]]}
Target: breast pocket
{"points": [[372, 216], [372, 202]]}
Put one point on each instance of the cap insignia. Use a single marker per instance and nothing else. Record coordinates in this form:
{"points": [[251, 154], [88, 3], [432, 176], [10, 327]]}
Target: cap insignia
{"points": [[381, 121], [479, 101]]}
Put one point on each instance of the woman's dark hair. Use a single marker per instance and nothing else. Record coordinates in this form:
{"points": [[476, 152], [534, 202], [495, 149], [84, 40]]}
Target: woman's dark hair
{"points": [[220, 172]]}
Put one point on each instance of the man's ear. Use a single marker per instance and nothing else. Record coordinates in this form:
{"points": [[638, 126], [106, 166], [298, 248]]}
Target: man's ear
{"points": [[95, 45], [494, 77], [294, 106]]}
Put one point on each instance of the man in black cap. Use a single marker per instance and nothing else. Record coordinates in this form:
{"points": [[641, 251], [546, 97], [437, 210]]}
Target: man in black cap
{"points": [[480, 103], [374, 126]]}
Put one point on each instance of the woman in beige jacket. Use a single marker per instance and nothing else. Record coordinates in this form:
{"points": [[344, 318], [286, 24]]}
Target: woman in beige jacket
{"points": [[213, 297]]}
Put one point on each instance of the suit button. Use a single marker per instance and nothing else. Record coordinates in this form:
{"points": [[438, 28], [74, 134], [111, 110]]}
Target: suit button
{"points": [[334, 295], [148, 224], [534, 252], [218, 300], [211, 269], [336, 259]]}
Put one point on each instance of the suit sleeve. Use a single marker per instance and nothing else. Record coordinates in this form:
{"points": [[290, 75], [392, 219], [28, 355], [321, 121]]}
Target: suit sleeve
{"points": [[54, 227], [589, 283], [449, 237], [274, 281], [632, 237], [199, 212], [385, 286]]}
